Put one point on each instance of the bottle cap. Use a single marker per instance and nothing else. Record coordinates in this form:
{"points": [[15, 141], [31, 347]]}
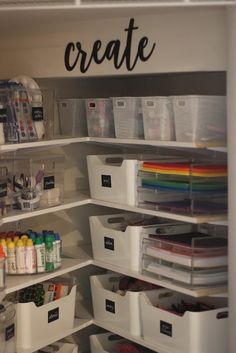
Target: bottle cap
{"points": [[38, 241], [29, 242], [57, 236], [16, 238], [20, 243], [11, 245]]}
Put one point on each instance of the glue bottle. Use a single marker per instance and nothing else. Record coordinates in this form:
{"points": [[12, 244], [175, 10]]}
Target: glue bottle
{"points": [[40, 254]]}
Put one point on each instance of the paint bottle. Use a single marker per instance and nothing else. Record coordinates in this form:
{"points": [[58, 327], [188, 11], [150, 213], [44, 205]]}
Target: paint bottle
{"points": [[30, 257], [40, 254], [58, 250], [2, 268], [49, 253], [20, 257], [4, 246], [11, 257]]}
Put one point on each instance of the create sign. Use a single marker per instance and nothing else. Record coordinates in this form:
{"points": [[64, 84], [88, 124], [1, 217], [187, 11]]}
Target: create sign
{"points": [[76, 55]]}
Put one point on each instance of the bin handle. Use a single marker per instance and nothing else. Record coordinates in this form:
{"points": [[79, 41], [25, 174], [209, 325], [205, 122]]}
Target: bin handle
{"points": [[222, 315], [114, 337], [115, 220], [114, 160]]}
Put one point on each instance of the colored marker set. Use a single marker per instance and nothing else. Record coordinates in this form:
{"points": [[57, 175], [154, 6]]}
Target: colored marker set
{"points": [[30, 252]]}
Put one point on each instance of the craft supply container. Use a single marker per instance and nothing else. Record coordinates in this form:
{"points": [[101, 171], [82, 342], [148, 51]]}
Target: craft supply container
{"points": [[72, 117], [112, 308], [200, 119], [202, 262], [105, 342], [158, 118], [38, 181], [128, 117], [123, 247], [193, 332], [49, 320], [100, 118]]}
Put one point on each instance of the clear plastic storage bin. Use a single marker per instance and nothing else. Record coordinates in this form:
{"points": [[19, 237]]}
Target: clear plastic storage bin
{"points": [[158, 118], [7, 327], [193, 259], [38, 181], [192, 332], [100, 118], [49, 320], [200, 118], [72, 117], [117, 239], [128, 117], [26, 115]]}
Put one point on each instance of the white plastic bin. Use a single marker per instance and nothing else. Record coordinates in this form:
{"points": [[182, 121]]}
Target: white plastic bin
{"points": [[111, 308], [72, 117], [158, 118], [194, 332], [105, 342], [113, 178], [123, 248], [34, 323], [128, 117], [200, 118], [100, 118]]}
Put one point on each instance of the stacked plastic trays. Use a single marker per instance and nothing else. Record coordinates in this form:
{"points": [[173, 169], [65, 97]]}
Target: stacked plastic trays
{"points": [[183, 187], [193, 259]]}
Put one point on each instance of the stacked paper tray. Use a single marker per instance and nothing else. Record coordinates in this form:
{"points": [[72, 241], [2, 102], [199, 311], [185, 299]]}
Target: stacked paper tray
{"points": [[183, 187], [196, 259]]}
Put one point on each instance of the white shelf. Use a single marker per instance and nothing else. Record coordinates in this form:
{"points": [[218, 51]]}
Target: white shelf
{"points": [[72, 199], [198, 292], [67, 141], [172, 144], [79, 324], [168, 215], [137, 339], [44, 143], [14, 282]]}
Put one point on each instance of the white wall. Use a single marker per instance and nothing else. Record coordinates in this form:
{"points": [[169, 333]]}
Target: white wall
{"points": [[186, 40]]}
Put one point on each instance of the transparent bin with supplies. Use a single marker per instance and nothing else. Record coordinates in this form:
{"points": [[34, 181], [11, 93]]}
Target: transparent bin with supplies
{"points": [[26, 115], [116, 306], [183, 324], [38, 181], [100, 118], [184, 187], [128, 117], [200, 119], [158, 118], [117, 238], [193, 259], [72, 117], [7, 328]]}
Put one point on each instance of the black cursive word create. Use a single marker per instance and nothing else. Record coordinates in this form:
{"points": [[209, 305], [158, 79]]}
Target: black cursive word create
{"points": [[74, 53]]}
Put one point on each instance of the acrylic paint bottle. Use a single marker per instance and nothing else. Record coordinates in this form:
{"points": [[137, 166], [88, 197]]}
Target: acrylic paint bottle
{"points": [[40, 254], [11, 257], [30, 257], [20, 257]]}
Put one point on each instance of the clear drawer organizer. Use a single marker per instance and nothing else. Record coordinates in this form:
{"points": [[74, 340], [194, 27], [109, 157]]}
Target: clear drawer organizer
{"points": [[193, 259], [183, 187]]}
